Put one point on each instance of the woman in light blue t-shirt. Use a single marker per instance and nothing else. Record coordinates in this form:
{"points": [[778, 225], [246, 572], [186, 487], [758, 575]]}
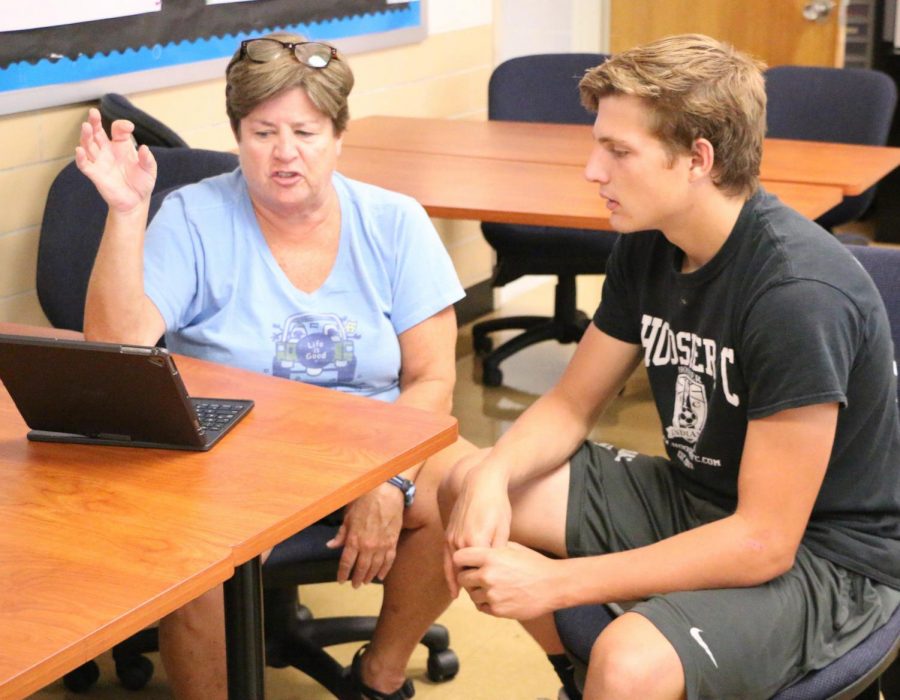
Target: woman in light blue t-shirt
{"points": [[285, 267]]}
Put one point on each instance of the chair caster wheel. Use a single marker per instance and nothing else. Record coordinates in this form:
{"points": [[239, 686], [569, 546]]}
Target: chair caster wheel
{"points": [[135, 672], [304, 614], [82, 678], [442, 665], [482, 344], [491, 376]]}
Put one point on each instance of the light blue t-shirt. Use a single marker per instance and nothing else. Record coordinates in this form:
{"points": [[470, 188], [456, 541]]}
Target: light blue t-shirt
{"points": [[211, 274]]}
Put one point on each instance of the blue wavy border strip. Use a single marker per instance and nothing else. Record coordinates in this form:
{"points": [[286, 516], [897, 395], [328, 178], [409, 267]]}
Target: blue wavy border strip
{"points": [[22, 75]]}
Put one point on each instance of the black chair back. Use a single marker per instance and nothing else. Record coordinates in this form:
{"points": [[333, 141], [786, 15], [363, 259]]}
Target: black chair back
{"points": [[843, 105], [541, 88], [74, 217], [148, 130], [883, 266]]}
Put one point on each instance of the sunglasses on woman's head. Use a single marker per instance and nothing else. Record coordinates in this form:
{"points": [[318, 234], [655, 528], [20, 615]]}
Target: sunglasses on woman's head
{"points": [[310, 53]]}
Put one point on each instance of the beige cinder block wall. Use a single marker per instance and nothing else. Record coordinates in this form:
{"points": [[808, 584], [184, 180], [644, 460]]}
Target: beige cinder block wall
{"points": [[444, 76]]}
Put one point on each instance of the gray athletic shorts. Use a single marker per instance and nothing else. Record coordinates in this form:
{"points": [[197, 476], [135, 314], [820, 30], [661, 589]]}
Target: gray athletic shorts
{"points": [[733, 643]]}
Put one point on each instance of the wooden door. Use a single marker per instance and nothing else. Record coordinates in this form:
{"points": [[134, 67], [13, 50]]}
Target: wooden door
{"points": [[774, 30]]}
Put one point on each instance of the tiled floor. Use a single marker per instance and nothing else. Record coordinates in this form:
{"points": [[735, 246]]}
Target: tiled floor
{"points": [[498, 660]]}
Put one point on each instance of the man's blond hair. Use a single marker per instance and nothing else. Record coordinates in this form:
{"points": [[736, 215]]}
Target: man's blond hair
{"points": [[695, 87]]}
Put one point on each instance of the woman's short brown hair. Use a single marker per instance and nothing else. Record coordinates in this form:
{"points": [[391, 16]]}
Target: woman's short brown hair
{"points": [[248, 84], [695, 87]]}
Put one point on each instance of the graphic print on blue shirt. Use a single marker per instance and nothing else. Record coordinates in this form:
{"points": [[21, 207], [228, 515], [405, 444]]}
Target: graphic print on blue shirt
{"points": [[316, 348], [224, 297]]}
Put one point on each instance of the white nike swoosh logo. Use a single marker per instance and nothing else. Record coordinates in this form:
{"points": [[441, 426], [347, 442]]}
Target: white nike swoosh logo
{"points": [[695, 633]]}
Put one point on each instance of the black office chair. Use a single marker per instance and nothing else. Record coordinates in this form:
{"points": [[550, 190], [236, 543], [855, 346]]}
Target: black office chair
{"points": [[869, 667], [295, 638], [844, 105], [70, 235], [148, 130], [540, 88], [73, 221]]}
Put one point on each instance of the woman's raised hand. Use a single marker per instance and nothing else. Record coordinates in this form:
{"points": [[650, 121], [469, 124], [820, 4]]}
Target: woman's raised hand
{"points": [[123, 175]]}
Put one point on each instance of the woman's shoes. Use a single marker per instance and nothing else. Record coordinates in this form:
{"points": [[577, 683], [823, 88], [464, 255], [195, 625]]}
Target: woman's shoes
{"points": [[404, 692]]}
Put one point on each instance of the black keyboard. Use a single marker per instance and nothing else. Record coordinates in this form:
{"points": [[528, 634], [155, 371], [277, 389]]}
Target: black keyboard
{"points": [[217, 415]]}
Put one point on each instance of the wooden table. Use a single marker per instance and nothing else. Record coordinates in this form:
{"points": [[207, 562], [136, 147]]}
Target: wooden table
{"points": [[508, 191], [851, 167], [98, 542]]}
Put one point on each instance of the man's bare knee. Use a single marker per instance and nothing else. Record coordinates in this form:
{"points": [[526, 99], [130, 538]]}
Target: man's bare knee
{"points": [[616, 671], [424, 511], [632, 659]]}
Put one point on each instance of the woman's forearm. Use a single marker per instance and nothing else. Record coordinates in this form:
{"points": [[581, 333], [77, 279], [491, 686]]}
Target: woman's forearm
{"points": [[116, 307]]}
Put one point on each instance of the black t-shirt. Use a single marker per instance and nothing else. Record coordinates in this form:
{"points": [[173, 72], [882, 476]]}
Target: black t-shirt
{"points": [[783, 316]]}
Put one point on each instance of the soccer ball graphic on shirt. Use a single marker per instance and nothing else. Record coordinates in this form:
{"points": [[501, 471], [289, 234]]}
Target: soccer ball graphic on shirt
{"points": [[689, 415]]}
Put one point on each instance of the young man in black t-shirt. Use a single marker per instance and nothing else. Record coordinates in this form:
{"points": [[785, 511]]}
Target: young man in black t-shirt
{"points": [[766, 542]]}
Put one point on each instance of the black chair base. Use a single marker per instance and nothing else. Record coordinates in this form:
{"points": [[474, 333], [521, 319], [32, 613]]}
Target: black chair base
{"points": [[566, 326], [133, 669], [294, 638]]}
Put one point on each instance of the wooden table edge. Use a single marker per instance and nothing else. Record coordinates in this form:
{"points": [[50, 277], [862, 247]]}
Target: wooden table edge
{"points": [[277, 533], [31, 680]]}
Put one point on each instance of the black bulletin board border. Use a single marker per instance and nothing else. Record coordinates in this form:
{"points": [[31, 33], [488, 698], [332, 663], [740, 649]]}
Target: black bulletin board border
{"points": [[187, 40]]}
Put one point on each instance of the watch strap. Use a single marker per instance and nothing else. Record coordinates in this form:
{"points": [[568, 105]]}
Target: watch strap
{"points": [[407, 487]]}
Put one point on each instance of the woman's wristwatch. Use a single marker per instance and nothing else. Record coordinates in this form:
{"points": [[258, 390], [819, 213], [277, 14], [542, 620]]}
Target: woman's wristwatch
{"points": [[407, 487]]}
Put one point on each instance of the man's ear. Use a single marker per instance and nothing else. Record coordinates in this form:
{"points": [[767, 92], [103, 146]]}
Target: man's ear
{"points": [[703, 158]]}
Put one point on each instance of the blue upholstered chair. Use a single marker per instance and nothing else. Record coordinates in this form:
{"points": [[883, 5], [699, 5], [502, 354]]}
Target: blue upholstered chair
{"points": [[540, 88], [857, 673], [844, 105]]}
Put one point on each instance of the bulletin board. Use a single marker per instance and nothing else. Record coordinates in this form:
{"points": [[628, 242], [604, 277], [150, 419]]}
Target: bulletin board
{"points": [[66, 53]]}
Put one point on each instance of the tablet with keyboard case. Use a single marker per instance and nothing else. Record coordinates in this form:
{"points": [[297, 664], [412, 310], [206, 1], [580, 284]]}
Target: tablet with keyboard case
{"points": [[109, 394]]}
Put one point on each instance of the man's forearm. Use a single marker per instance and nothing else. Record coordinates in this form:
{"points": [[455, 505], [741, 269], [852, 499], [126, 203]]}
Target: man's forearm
{"points": [[728, 553], [542, 439]]}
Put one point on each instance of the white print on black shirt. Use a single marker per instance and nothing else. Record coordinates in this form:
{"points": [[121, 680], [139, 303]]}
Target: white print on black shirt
{"points": [[664, 347], [621, 455], [689, 418], [691, 407], [695, 357]]}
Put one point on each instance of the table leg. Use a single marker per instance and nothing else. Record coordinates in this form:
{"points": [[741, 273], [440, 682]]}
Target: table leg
{"points": [[244, 632]]}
